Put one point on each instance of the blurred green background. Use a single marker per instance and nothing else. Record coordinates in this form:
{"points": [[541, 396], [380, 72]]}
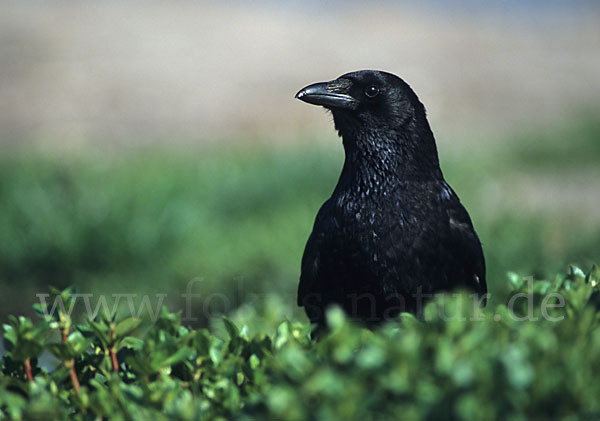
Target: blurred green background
{"points": [[236, 219], [142, 153]]}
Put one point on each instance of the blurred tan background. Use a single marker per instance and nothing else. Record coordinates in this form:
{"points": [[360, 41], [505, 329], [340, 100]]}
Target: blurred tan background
{"points": [[80, 73]]}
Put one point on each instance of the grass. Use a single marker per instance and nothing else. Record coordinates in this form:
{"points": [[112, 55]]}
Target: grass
{"points": [[149, 221]]}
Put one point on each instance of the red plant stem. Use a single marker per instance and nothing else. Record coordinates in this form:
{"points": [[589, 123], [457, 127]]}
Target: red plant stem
{"points": [[113, 359], [111, 350], [74, 378], [28, 370], [70, 363]]}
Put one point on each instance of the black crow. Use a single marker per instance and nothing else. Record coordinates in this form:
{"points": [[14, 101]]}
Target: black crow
{"points": [[393, 232]]}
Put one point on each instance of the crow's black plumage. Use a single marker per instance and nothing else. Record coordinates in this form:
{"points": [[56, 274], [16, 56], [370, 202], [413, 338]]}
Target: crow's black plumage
{"points": [[393, 232]]}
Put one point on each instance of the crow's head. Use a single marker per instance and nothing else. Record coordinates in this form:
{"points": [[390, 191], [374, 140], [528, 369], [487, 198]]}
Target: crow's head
{"points": [[366, 98], [381, 119]]}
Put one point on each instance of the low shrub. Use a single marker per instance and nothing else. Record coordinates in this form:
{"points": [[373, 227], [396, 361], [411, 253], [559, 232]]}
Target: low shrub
{"points": [[535, 357]]}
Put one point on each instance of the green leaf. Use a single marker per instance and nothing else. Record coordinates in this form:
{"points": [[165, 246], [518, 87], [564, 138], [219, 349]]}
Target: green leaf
{"points": [[575, 273], [180, 355], [254, 361], [125, 327], [102, 332], [131, 342], [60, 350], [593, 276], [232, 329], [336, 318], [515, 280], [282, 335], [215, 355]]}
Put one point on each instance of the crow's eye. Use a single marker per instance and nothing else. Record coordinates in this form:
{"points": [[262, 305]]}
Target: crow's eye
{"points": [[372, 91]]}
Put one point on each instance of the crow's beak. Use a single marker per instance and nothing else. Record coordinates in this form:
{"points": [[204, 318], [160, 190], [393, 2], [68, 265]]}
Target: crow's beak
{"points": [[328, 94]]}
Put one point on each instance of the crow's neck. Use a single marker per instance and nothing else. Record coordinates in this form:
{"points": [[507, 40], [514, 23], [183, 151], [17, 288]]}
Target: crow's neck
{"points": [[377, 159]]}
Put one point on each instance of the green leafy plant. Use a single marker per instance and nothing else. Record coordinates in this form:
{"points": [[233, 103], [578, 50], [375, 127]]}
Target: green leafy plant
{"points": [[522, 359]]}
